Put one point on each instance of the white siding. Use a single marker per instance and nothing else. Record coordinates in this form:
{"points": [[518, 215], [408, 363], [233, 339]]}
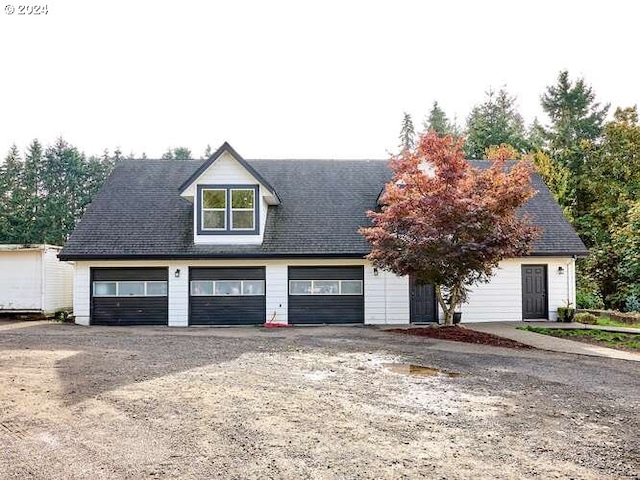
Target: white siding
{"points": [[386, 295], [21, 280], [226, 170], [58, 282], [386, 298], [178, 294], [81, 293], [501, 299], [277, 292]]}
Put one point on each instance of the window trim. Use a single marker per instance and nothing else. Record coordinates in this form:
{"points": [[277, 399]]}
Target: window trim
{"points": [[118, 282], [228, 230], [339, 294], [232, 209], [213, 289], [204, 209]]}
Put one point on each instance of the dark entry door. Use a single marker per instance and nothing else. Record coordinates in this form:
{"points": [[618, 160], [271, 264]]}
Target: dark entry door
{"points": [[534, 292], [422, 302]]}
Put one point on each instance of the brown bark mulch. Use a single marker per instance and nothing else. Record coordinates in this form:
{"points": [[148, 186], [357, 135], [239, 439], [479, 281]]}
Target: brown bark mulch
{"points": [[457, 333]]}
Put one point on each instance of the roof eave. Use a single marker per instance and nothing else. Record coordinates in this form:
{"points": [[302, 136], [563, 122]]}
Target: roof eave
{"points": [[197, 256]]}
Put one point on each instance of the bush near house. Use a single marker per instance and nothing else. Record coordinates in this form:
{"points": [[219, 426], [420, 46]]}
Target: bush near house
{"points": [[586, 318]]}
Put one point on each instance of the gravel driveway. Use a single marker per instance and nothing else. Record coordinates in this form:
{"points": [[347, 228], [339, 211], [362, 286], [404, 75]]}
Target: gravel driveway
{"points": [[305, 403]]}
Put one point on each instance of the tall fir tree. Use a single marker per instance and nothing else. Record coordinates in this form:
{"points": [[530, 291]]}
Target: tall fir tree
{"points": [[177, 153], [34, 194], [182, 153], [576, 123], [11, 198], [438, 121], [494, 122], [407, 133], [208, 151]]}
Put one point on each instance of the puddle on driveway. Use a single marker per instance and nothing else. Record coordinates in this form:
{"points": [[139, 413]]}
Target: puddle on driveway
{"points": [[420, 370]]}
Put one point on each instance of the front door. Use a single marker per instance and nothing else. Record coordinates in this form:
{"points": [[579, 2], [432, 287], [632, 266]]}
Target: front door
{"points": [[422, 302], [534, 292]]}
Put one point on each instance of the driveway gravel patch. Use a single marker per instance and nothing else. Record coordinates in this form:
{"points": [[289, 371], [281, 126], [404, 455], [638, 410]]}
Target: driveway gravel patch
{"points": [[305, 402]]}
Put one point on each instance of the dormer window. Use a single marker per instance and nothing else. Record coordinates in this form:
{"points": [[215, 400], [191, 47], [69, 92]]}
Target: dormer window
{"points": [[228, 209], [242, 208], [214, 209]]}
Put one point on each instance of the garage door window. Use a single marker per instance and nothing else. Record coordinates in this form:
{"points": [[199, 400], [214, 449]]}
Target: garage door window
{"points": [[325, 287], [130, 289], [200, 288]]}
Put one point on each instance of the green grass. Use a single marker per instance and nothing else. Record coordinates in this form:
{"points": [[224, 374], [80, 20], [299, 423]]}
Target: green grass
{"points": [[607, 322], [626, 341]]}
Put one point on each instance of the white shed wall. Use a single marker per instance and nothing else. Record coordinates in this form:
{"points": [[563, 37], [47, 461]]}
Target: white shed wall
{"points": [[21, 280], [58, 282]]}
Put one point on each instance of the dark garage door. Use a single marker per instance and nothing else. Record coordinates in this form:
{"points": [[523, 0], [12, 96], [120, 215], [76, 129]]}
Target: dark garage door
{"points": [[129, 296], [226, 296], [326, 295]]}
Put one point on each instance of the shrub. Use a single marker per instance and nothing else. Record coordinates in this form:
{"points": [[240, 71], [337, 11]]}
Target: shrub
{"points": [[565, 314], [632, 303], [588, 300], [586, 318], [63, 316]]}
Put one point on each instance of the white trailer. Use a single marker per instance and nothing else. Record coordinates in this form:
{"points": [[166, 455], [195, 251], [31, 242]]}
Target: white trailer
{"points": [[33, 280]]}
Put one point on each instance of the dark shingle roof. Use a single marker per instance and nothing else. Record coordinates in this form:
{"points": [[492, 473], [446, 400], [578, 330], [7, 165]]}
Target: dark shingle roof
{"points": [[139, 212]]}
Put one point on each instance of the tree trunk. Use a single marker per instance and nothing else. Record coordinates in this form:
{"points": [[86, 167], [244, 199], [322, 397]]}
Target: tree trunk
{"points": [[448, 309]]}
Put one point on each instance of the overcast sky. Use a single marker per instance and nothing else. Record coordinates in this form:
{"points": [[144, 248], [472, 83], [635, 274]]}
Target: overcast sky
{"points": [[282, 79]]}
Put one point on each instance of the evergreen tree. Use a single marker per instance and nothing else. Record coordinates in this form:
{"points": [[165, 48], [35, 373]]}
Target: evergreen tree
{"points": [[407, 133], [43, 197], [11, 196], [576, 125], [438, 122], [178, 153], [494, 122], [33, 192], [182, 153], [207, 152]]}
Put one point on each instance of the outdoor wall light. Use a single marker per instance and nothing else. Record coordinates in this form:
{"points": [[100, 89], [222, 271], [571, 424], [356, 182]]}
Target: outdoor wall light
{"points": [[375, 271], [560, 271], [177, 273]]}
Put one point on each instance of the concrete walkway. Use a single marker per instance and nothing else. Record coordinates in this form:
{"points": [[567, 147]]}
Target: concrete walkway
{"points": [[547, 342]]}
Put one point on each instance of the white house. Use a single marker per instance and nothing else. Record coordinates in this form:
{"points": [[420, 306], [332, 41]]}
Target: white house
{"points": [[229, 241], [33, 280]]}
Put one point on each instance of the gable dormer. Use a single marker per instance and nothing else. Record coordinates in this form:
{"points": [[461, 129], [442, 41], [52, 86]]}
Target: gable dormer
{"points": [[230, 200]]}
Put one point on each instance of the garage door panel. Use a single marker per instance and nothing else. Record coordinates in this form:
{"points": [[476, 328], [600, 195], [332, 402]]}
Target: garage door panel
{"points": [[229, 306], [227, 310], [129, 274], [326, 304], [249, 273], [129, 309], [326, 273], [326, 309]]}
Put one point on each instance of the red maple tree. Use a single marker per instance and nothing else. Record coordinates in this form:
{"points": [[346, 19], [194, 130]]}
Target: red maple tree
{"points": [[447, 223]]}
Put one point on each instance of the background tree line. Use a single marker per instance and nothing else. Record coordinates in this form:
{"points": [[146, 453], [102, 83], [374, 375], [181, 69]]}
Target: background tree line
{"points": [[591, 165], [45, 191]]}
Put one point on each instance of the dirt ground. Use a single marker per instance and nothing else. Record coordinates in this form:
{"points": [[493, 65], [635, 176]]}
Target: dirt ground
{"points": [[460, 334], [98, 402]]}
